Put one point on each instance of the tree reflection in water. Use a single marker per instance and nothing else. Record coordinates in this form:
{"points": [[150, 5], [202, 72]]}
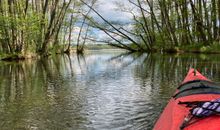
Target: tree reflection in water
{"points": [[98, 90]]}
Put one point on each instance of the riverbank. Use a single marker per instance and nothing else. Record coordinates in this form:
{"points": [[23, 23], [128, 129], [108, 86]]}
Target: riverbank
{"points": [[32, 55], [16, 57], [213, 49]]}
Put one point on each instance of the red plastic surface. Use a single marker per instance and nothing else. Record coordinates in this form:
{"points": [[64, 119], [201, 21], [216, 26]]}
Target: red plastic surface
{"points": [[173, 115]]}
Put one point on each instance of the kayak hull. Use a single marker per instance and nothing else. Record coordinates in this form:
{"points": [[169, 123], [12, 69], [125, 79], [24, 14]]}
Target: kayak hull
{"points": [[174, 113]]}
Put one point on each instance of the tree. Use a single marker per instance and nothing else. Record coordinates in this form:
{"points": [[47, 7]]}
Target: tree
{"points": [[166, 24]]}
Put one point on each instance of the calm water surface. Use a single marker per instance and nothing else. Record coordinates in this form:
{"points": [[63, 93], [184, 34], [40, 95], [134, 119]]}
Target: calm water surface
{"points": [[98, 91]]}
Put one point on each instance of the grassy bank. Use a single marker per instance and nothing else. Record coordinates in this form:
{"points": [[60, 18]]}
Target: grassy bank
{"points": [[210, 49], [31, 55], [96, 47], [17, 56]]}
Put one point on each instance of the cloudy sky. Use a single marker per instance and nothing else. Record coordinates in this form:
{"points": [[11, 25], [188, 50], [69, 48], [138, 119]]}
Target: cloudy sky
{"points": [[109, 9]]}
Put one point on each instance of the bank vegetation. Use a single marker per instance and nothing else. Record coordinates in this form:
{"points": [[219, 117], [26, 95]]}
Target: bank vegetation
{"points": [[166, 25], [31, 28]]}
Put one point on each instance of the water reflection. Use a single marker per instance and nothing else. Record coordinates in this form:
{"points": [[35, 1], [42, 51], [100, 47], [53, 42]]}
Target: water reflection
{"points": [[100, 90]]}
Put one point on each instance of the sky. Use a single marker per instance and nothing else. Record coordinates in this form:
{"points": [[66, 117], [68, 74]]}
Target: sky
{"points": [[109, 9]]}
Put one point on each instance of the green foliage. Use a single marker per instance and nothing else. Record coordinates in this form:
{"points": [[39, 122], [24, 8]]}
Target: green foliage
{"points": [[25, 27], [200, 48], [188, 25]]}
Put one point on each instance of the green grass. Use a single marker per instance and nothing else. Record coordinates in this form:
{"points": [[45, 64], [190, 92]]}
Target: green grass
{"points": [[214, 48], [97, 47]]}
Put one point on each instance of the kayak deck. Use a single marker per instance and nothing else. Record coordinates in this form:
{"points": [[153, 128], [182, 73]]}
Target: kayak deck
{"points": [[195, 87]]}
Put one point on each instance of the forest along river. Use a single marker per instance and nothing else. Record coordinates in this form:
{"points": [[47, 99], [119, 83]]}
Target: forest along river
{"points": [[100, 90]]}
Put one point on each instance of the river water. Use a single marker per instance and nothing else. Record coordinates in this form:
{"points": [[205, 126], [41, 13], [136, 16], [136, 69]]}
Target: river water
{"points": [[101, 90]]}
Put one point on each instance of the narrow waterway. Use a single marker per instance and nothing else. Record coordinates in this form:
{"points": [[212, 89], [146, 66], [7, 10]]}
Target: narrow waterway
{"points": [[97, 91]]}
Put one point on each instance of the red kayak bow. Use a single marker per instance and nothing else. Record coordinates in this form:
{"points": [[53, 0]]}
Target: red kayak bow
{"points": [[194, 75], [195, 88]]}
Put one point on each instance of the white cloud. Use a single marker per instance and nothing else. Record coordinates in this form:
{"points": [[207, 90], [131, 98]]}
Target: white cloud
{"points": [[109, 10]]}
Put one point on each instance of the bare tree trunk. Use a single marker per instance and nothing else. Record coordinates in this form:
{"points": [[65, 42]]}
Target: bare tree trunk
{"points": [[165, 17], [84, 39], [218, 28], [116, 29], [79, 50], [146, 28], [198, 24], [70, 35], [56, 18], [208, 25], [214, 19]]}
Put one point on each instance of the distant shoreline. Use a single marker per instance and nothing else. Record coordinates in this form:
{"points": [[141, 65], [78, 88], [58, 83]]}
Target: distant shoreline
{"points": [[104, 47]]}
